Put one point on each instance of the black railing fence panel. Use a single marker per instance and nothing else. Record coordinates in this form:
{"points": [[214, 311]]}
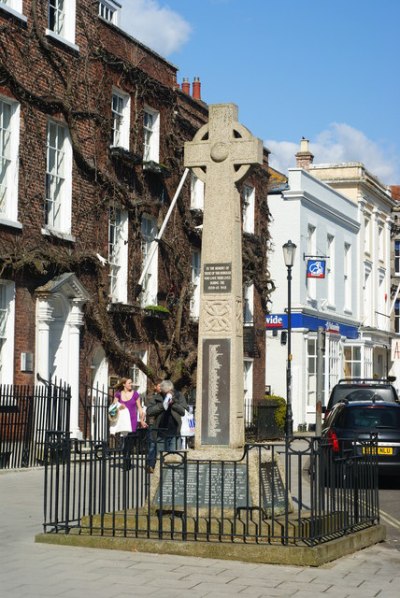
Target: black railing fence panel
{"points": [[94, 402], [295, 492], [26, 414]]}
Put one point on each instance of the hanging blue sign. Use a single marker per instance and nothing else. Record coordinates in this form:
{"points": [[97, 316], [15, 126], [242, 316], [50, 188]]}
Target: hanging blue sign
{"points": [[316, 268]]}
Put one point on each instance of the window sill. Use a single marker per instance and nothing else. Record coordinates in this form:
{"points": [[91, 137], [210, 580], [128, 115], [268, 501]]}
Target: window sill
{"points": [[156, 168], [122, 307], [11, 223], [62, 40], [126, 156], [14, 13], [51, 232]]}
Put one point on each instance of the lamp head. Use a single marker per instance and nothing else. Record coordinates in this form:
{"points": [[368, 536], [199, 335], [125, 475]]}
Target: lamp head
{"points": [[289, 250]]}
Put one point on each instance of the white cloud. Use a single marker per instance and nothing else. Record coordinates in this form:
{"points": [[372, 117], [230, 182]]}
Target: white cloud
{"points": [[341, 143], [156, 26]]}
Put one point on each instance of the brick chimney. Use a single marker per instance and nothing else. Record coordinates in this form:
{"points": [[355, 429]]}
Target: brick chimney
{"points": [[304, 158], [186, 86], [196, 87]]}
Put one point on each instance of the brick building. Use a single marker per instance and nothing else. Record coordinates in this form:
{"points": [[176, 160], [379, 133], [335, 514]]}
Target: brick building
{"points": [[92, 127]]}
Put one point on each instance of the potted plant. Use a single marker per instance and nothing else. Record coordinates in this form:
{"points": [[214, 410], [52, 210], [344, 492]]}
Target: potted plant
{"points": [[156, 311], [271, 417]]}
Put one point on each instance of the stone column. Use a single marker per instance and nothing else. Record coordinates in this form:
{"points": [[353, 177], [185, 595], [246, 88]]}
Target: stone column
{"points": [[75, 321], [44, 312]]}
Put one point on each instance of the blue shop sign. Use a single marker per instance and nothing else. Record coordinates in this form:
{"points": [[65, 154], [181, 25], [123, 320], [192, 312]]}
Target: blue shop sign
{"points": [[299, 320]]}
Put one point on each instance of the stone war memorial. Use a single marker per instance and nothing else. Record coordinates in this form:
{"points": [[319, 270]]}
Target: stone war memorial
{"points": [[269, 502], [221, 155], [215, 474]]}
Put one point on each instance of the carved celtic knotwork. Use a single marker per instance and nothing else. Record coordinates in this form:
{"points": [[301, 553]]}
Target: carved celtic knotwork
{"points": [[239, 317], [218, 316]]}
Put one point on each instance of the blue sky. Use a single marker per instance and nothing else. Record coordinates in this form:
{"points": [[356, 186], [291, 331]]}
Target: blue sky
{"points": [[328, 71]]}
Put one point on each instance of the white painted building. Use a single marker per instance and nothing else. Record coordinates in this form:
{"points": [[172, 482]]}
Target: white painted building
{"points": [[345, 218], [322, 223], [369, 357]]}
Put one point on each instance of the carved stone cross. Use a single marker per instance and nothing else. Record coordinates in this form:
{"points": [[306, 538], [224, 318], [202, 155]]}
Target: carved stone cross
{"points": [[221, 154]]}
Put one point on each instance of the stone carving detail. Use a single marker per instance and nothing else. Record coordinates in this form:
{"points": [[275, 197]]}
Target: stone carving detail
{"points": [[239, 317], [218, 316]]}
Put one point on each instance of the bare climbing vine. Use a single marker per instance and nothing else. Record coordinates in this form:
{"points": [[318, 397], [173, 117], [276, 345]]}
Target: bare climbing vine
{"points": [[76, 87]]}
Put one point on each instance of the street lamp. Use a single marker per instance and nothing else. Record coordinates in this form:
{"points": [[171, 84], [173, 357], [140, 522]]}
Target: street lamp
{"points": [[289, 250]]}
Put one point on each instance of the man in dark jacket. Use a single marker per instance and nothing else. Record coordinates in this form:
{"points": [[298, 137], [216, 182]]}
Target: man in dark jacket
{"points": [[164, 416]]}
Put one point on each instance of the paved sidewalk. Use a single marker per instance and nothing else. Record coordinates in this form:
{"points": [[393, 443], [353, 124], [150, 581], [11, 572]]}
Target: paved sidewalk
{"points": [[32, 570]]}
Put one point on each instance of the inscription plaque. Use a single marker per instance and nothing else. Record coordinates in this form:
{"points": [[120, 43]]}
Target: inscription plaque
{"points": [[207, 485], [216, 392], [273, 489], [217, 278]]}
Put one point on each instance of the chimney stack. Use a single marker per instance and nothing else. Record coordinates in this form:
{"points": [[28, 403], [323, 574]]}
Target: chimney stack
{"points": [[186, 86], [304, 158], [196, 93]]}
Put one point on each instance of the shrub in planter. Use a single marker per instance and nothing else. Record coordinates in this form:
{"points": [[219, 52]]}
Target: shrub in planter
{"points": [[280, 412], [157, 311]]}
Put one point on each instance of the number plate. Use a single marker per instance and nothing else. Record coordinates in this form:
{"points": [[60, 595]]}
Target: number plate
{"points": [[380, 450]]}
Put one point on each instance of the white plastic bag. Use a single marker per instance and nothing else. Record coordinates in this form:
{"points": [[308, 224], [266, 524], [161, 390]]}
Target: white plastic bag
{"points": [[187, 424], [123, 423]]}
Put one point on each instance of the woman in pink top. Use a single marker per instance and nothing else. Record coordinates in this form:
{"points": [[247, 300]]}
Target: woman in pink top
{"points": [[129, 399]]}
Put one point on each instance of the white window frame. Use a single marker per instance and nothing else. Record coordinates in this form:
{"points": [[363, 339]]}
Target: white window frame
{"points": [[118, 254], [120, 110], [139, 378], [149, 232], [7, 325], [58, 189], [335, 359], [109, 11], [397, 316], [311, 250], [311, 371], [367, 235], [381, 242], [14, 7], [151, 135], [9, 150], [248, 374], [197, 190], [248, 199], [330, 269], [196, 274], [352, 361], [248, 305], [347, 258], [61, 21], [397, 257]]}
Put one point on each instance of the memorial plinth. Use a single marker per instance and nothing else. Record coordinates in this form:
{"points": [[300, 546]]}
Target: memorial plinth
{"points": [[232, 481]]}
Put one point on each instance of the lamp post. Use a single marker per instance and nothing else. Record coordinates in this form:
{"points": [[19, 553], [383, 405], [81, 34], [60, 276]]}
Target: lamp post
{"points": [[289, 250]]}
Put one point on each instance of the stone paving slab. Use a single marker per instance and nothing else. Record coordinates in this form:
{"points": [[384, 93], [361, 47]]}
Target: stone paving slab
{"points": [[30, 570]]}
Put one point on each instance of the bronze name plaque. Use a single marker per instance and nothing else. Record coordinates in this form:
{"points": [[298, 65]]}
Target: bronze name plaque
{"points": [[216, 391]]}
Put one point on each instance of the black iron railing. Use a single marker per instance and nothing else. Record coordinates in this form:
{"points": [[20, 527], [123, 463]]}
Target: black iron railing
{"points": [[297, 492], [26, 414]]}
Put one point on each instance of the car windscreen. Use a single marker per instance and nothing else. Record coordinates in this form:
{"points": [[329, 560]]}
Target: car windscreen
{"points": [[363, 394], [369, 418]]}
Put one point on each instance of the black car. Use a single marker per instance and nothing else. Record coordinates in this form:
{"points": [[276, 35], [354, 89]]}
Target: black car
{"points": [[354, 423], [362, 389]]}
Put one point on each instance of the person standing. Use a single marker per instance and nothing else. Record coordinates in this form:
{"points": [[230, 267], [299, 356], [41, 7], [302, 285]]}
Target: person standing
{"points": [[164, 415], [127, 398], [129, 411]]}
